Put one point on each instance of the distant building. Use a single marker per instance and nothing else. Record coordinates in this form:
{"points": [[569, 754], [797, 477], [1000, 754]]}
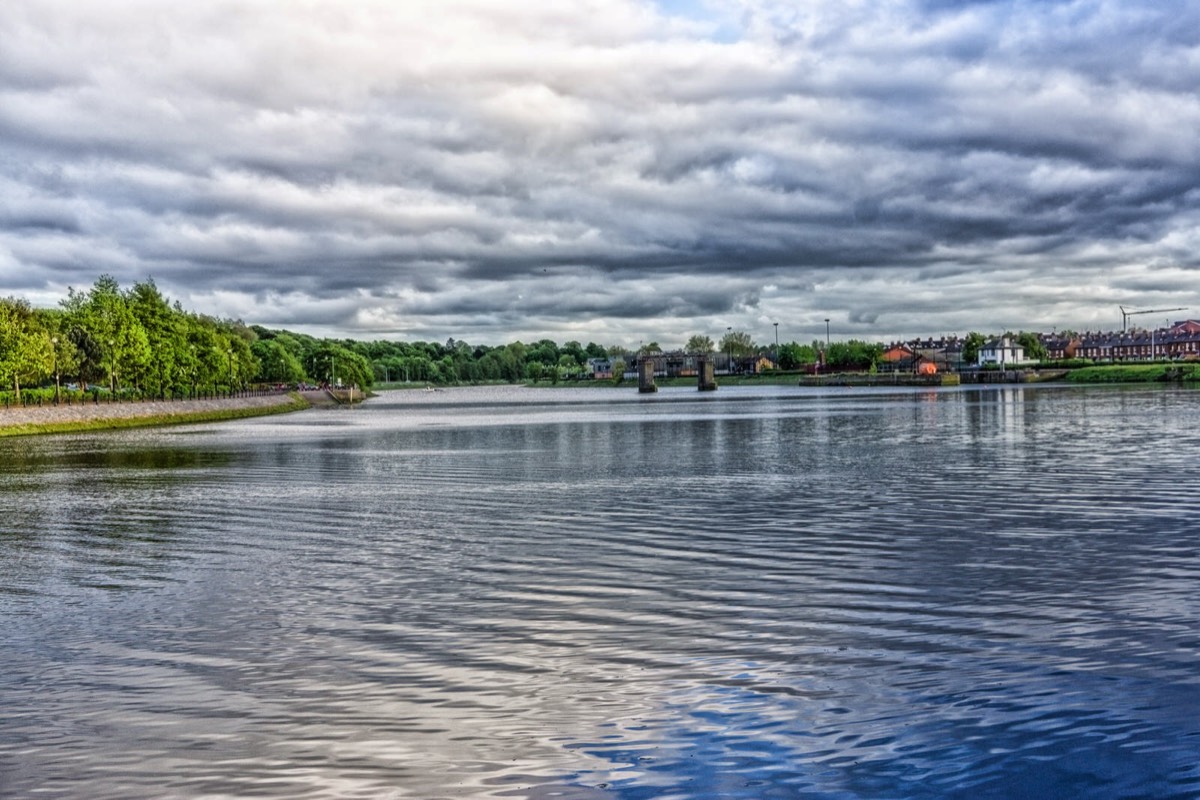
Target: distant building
{"points": [[1003, 351], [601, 368]]}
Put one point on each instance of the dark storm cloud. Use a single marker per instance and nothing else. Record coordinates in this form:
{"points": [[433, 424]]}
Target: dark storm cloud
{"points": [[604, 170]]}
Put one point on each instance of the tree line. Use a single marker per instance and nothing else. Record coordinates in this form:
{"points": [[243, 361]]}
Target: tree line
{"points": [[136, 342]]}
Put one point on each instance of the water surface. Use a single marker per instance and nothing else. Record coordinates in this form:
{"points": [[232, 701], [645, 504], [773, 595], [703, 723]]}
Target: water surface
{"points": [[757, 593]]}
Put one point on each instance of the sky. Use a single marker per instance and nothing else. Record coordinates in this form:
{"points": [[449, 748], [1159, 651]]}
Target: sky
{"points": [[617, 171]]}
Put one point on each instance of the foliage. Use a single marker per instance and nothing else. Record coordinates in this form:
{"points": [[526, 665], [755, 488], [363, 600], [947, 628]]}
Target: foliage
{"points": [[1066, 363], [972, 344], [854, 354], [26, 352], [1134, 373], [699, 345], [737, 343], [794, 356], [1034, 349]]}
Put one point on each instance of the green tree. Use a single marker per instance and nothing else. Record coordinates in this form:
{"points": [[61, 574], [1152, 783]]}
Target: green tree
{"points": [[26, 352], [576, 352], [618, 371], [276, 363], [162, 372], [1034, 349], [699, 345], [972, 344], [854, 354], [738, 343], [793, 355], [109, 336]]}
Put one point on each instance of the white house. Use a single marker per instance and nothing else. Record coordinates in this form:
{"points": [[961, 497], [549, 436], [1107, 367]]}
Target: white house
{"points": [[1003, 351]]}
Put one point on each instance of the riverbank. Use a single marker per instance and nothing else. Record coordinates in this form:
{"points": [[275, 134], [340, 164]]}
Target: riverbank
{"points": [[107, 416]]}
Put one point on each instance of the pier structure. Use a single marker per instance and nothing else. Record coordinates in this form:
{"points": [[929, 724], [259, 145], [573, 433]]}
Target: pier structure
{"points": [[646, 384], [705, 380]]}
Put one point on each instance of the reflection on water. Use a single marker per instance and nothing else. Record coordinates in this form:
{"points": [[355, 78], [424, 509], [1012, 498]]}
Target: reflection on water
{"points": [[770, 593]]}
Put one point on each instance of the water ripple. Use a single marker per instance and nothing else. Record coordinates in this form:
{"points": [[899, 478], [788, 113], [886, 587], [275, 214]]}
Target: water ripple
{"points": [[763, 594]]}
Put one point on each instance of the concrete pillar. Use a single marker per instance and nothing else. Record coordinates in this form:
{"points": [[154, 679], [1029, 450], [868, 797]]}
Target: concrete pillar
{"points": [[646, 376], [706, 382]]}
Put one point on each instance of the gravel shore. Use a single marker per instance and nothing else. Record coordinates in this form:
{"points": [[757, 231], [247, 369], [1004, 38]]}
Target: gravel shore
{"points": [[86, 412]]}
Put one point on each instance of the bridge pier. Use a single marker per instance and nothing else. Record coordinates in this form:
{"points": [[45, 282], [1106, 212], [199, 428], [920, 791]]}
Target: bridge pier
{"points": [[706, 382], [646, 383]]}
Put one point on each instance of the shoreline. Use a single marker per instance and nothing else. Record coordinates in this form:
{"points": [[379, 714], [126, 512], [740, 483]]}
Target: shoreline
{"points": [[112, 416]]}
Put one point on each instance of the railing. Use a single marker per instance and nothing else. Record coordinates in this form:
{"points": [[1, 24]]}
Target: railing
{"points": [[42, 397]]}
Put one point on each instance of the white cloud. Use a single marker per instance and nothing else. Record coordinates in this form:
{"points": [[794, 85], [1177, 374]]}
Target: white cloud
{"points": [[486, 170]]}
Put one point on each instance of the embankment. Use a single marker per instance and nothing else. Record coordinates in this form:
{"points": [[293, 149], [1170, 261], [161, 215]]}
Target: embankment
{"points": [[102, 416]]}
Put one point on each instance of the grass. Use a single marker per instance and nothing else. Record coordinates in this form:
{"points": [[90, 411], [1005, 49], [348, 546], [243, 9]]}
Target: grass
{"points": [[297, 403], [1134, 373]]}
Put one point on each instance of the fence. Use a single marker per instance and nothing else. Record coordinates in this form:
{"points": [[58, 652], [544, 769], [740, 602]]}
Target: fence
{"points": [[34, 398]]}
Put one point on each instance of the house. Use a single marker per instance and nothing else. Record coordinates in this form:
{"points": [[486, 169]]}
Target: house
{"points": [[897, 355], [754, 364], [601, 368], [944, 354], [1003, 351]]}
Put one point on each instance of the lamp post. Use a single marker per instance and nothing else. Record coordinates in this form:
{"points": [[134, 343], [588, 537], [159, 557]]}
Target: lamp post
{"points": [[729, 349], [57, 391], [112, 367], [230, 352], [776, 324], [827, 333]]}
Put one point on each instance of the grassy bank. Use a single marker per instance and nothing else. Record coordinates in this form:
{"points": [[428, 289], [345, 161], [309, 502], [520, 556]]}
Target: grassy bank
{"points": [[1135, 373], [100, 422]]}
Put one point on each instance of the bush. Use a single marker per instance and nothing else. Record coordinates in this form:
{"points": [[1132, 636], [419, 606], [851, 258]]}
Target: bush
{"points": [[1135, 373]]}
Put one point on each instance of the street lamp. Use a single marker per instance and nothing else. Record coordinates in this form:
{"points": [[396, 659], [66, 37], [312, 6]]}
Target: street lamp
{"points": [[57, 392], [776, 324], [827, 333], [112, 367], [729, 349]]}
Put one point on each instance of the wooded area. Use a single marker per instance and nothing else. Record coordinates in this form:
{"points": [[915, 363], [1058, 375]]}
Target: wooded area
{"points": [[136, 343]]}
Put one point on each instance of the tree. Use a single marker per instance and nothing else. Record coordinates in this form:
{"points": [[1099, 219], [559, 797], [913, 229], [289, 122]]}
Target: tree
{"points": [[110, 337], [650, 347], [165, 337], [972, 344], [576, 352], [277, 364], [618, 371], [793, 355], [26, 353], [1034, 349], [699, 345], [737, 343], [854, 354], [568, 367], [338, 364]]}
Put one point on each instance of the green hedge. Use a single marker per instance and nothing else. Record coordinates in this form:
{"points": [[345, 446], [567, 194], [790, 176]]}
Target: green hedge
{"points": [[1135, 373]]}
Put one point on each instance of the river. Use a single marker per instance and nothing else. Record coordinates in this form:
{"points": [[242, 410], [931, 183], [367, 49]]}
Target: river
{"points": [[586, 593]]}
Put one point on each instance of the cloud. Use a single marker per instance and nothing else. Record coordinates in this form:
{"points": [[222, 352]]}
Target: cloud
{"points": [[475, 169]]}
